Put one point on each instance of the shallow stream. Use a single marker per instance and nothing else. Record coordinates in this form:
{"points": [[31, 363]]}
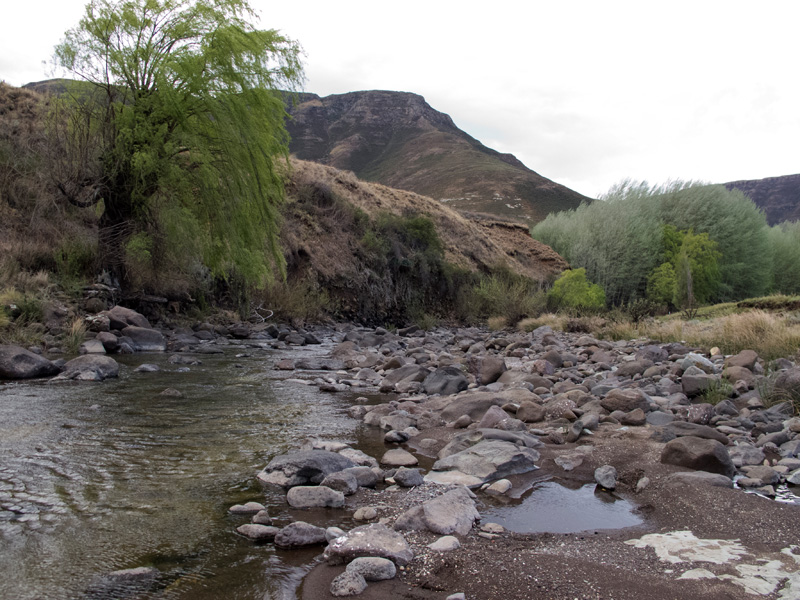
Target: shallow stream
{"points": [[100, 477]]}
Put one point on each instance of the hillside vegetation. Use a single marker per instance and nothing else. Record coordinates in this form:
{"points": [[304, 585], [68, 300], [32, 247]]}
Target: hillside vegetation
{"points": [[352, 249]]}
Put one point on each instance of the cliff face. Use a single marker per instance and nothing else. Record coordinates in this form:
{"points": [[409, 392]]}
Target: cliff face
{"points": [[778, 197], [397, 139]]}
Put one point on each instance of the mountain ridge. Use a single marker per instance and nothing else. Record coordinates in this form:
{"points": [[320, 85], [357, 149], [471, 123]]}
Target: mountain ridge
{"points": [[399, 140], [778, 197]]}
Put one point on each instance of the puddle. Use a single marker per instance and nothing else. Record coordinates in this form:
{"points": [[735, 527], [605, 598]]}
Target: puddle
{"points": [[553, 508]]}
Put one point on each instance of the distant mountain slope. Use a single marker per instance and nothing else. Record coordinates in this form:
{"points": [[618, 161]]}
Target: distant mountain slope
{"points": [[397, 139], [778, 197]]}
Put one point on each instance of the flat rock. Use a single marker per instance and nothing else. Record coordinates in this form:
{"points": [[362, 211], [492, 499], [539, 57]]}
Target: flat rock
{"points": [[453, 478], [700, 478], [684, 428], [89, 367], [397, 457], [314, 497], [369, 540], [255, 531], [490, 459], [145, 340]]}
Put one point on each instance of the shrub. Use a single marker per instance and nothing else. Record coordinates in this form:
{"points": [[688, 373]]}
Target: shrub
{"points": [[573, 290]]}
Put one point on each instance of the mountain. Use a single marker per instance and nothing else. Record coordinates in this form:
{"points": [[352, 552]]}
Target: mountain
{"points": [[397, 139], [778, 197]]}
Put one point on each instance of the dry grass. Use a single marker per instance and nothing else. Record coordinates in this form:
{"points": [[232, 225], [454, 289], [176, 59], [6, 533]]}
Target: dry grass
{"points": [[552, 320], [497, 323], [75, 336]]}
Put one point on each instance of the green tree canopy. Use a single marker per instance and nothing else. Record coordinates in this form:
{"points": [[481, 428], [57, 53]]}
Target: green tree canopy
{"points": [[187, 128], [573, 290]]}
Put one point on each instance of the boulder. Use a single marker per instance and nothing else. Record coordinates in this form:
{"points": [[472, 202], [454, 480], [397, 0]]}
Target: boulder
{"points": [[445, 381], [699, 454], [787, 383], [490, 459], [303, 468], [145, 340], [745, 359], [373, 568], [606, 477], [18, 363], [694, 383], [89, 367], [408, 477], [258, 532], [625, 400], [348, 583], [300, 534], [530, 412], [374, 539], [314, 497], [121, 317], [486, 369], [345, 482], [683, 428], [452, 512], [398, 458]]}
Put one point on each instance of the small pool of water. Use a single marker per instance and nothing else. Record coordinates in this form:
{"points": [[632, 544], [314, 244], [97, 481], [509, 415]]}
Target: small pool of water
{"points": [[553, 508]]}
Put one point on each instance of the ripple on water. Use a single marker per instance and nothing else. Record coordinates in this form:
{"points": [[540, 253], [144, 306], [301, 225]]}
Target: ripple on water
{"points": [[139, 479]]}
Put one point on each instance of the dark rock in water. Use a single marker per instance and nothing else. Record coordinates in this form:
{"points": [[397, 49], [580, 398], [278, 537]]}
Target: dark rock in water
{"points": [[89, 367], [295, 339], [699, 454], [145, 340], [127, 583], [18, 363], [306, 467], [300, 534], [445, 381]]}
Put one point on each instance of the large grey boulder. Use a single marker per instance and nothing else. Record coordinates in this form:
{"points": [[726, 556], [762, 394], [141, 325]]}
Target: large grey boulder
{"points": [[18, 363], [445, 381], [452, 512], [307, 467], [490, 459], [121, 317], [299, 534], [698, 454], [89, 367], [745, 359], [684, 428], [369, 540], [486, 369], [473, 405], [145, 340], [314, 496]]}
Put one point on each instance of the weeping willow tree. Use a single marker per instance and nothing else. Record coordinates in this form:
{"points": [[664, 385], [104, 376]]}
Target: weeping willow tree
{"points": [[179, 124]]}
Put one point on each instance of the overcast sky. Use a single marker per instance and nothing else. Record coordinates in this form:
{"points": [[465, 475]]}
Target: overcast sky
{"points": [[586, 93]]}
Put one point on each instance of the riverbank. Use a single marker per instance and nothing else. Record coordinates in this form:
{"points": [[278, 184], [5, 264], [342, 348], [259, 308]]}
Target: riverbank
{"points": [[590, 404]]}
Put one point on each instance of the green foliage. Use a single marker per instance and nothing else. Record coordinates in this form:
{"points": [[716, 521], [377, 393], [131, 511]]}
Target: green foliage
{"points": [[186, 128], [573, 290], [719, 390], [622, 240], [661, 284], [75, 258], [784, 240], [508, 296]]}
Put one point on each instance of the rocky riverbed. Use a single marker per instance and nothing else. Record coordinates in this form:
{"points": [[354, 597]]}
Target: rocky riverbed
{"points": [[470, 419]]}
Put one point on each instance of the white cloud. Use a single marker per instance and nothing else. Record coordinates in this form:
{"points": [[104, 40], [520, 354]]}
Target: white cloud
{"points": [[583, 92]]}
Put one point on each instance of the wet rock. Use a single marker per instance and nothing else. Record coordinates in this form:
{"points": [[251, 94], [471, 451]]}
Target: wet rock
{"points": [[453, 478], [258, 532], [92, 347], [499, 487], [299, 534], [249, 508], [18, 363], [145, 340], [698, 454], [262, 518], [89, 367], [369, 540], [365, 513], [314, 497], [303, 468]]}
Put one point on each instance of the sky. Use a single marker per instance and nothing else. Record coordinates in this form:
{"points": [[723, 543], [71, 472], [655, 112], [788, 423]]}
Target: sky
{"points": [[586, 93]]}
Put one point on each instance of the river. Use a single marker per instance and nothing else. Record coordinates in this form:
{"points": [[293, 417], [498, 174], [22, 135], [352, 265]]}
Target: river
{"points": [[100, 477]]}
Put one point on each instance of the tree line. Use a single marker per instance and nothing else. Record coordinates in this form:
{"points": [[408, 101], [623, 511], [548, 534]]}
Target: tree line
{"points": [[676, 244]]}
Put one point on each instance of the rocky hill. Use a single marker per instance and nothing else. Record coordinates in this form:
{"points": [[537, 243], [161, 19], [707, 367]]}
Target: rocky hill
{"points": [[778, 197], [397, 139]]}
